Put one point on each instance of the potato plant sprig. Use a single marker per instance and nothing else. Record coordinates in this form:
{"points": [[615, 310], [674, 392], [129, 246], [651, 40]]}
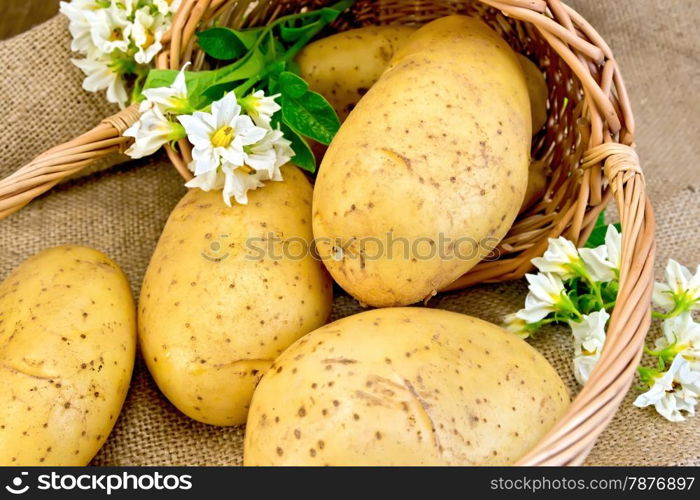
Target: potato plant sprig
{"points": [[579, 286], [263, 59]]}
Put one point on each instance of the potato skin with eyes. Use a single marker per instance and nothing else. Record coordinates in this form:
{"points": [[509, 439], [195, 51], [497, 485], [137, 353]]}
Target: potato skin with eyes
{"points": [[67, 348], [404, 386], [437, 149], [217, 307], [342, 67]]}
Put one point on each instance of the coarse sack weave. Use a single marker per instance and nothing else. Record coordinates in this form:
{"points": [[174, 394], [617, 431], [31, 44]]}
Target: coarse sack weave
{"points": [[122, 210]]}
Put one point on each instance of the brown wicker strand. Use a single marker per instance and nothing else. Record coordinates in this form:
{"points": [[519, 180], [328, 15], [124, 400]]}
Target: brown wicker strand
{"points": [[60, 162]]}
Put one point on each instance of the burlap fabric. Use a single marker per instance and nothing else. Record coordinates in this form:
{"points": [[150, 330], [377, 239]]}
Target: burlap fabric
{"points": [[44, 102], [122, 210]]}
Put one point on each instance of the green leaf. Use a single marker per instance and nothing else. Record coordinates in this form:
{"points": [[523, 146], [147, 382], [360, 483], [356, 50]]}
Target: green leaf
{"points": [[276, 69], [308, 24], [290, 32], [609, 291], [331, 13], [303, 156], [272, 85], [597, 236], [228, 76], [587, 304], [292, 85], [226, 43], [293, 67], [160, 78], [306, 112], [311, 116], [272, 48]]}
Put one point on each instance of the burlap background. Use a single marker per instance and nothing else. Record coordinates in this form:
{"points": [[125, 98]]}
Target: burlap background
{"points": [[122, 210]]}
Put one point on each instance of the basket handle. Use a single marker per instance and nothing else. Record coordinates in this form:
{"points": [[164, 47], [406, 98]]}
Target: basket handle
{"points": [[570, 440], [60, 162]]}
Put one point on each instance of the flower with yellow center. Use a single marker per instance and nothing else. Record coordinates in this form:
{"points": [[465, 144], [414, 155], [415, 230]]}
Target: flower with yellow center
{"points": [[172, 99], [147, 32], [100, 74], [219, 157], [562, 258], [110, 29], [261, 107], [547, 295], [681, 334], [231, 153], [151, 131], [516, 325], [220, 136], [680, 292], [673, 393], [223, 137]]}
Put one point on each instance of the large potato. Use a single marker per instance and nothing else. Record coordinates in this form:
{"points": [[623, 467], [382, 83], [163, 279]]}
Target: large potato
{"points": [[429, 171], [67, 347], [342, 67], [404, 386], [217, 306]]}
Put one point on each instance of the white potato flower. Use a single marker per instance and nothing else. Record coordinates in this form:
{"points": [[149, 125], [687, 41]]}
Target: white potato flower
{"points": [[120, 37], [283, 147], [100, 75], [220, 136], [561, 258], [597, 264], [130, 6], [269, 154], [261, 107], [172, 99], [603, 262], [110, 29], [675, 392], [79, 23], [234, 182], [516, 325], [147, 32], [589, 338], [546, 295], [681, 290], [166, 7], [150, 132], [613, 242], [230, 152], [682, 334]]}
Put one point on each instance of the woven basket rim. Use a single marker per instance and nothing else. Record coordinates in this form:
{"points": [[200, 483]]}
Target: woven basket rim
{"points": [[607, 163]]}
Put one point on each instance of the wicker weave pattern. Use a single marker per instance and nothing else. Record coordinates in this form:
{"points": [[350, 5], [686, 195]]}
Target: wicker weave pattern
{"points": [[587, 145]]}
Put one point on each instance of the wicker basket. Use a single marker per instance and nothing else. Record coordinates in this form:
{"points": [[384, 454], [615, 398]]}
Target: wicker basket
{"points": [[587, 145]]}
